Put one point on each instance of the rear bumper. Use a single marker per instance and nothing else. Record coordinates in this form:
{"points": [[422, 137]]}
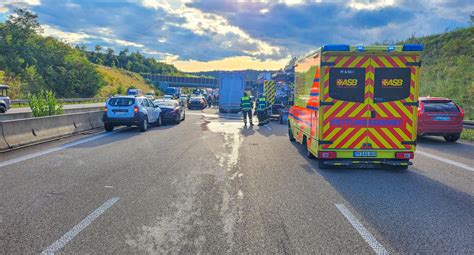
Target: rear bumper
{"points": [[439, 130], [196, 106], [135, 120], [169, 117], [366, 163], [229, 109]]}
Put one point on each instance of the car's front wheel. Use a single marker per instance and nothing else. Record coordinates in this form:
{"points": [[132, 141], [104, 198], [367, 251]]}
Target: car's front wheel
{"points": [[178, 119], [144, 125], [3, 109], [159, 121]]}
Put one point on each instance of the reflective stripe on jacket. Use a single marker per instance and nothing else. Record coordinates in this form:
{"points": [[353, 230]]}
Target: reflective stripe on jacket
{"points": [[245, 103], [262, 103]]}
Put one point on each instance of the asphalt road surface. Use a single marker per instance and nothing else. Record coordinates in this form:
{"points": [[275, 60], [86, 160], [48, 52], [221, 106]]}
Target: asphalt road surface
{"points": [[209, 185]]}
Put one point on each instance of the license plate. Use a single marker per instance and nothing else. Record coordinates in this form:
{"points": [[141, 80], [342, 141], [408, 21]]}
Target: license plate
{"points": [[120, 113], [441, 118], [365, 154]]}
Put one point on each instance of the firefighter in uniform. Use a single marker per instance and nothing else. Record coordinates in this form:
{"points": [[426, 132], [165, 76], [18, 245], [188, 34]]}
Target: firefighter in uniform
{"points": [[262, 110], [246, 107]]}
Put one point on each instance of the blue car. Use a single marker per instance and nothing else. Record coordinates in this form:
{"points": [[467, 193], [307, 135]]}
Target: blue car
{"points": [[171, 110], [131, 111]]}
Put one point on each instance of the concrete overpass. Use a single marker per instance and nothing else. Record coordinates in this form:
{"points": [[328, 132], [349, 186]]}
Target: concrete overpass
{"points": [[164, 81]]}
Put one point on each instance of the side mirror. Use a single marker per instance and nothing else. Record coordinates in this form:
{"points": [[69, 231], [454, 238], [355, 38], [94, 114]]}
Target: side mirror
{"points": [[155, 105]]}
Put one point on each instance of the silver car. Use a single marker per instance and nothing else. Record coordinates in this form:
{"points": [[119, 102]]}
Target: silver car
{"points": [[4, 99], [131, 111]]}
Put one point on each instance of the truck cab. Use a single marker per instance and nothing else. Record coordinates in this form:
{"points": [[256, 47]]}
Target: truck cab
{"points": [[4, 99]]}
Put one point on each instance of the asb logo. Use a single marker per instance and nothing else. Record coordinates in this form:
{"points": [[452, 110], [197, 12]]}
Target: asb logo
{"points": [[346, 82], [392, 82]]}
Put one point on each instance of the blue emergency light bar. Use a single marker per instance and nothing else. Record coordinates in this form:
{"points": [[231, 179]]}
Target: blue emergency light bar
{"points": [[336, 47], [412, 47], [360, 48], [390, 48]]}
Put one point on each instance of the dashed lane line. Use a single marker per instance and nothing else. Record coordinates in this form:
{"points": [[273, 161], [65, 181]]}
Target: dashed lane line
{"points": [[445, 160], [364, 233], [66, 238]]}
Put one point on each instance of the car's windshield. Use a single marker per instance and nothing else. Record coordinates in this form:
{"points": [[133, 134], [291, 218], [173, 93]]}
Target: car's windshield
{"points": [[121, 101]]}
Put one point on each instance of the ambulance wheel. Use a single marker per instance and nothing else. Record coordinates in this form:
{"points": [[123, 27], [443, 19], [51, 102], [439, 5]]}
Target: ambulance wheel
{"points": [[290, 135], [309, 154], [403, 168], [321, 165]]}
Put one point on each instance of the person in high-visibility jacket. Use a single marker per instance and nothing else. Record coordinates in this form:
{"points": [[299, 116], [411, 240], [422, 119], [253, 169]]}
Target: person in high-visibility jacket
{"points": [[246, 107], [262, 110]]}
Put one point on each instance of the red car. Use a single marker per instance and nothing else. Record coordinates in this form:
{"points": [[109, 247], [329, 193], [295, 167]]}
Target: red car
{"points": [[439, 116]]}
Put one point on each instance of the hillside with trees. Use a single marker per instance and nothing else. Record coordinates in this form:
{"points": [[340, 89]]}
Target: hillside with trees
{"points": [[30, 62], [134, 61], [448, 67], [116, 81]]}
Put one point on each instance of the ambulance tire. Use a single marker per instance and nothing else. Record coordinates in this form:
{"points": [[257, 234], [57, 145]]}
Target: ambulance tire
{"points": [[290, 134], [402, 168], [321, 165], [309, 154]]}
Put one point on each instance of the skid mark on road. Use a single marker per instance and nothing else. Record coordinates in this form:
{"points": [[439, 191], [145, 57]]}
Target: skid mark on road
{"points": [[66, 238], [366, 235], [445, 160]]}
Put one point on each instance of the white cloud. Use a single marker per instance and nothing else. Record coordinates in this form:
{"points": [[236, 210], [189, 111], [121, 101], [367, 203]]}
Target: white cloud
{"points": [[68, 37], [5, 4], [213, 25], [370, 4], [229, 64], [122, 42]]}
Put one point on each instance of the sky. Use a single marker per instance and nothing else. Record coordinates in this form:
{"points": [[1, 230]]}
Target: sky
{"points": [[203, 35]]}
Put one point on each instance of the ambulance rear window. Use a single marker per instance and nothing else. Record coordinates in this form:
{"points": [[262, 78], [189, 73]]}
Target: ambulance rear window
{"points": [[347, 84], [391, 84]]}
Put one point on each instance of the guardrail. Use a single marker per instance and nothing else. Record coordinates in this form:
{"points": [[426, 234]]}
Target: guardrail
{"points": [[468, 124], [25, 115], [63, 100], [16, 133]]}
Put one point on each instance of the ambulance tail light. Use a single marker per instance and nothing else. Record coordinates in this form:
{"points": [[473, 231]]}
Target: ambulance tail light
{"points": [[404, 155], [327, 154]]}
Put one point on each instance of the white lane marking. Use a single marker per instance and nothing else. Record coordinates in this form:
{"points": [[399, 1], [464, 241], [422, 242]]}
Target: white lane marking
{"points": [[269, 128], [445, 160], [66, 238], [368, 237], [41, 153]]}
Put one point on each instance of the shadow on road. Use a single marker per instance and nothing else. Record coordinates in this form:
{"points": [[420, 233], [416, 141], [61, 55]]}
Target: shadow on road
{"points": [[122, 134], [411, 211], [459, 149]]}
